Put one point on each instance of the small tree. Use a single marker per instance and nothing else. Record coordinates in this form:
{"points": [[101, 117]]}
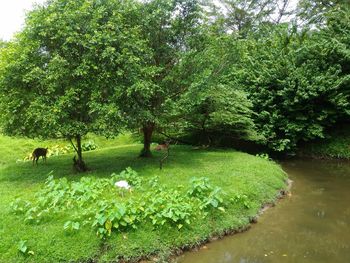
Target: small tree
{"points": [[214, 104], [55, 77]]}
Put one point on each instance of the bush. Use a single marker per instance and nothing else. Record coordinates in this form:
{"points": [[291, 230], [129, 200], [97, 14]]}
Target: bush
{"points": [[89, 146]]}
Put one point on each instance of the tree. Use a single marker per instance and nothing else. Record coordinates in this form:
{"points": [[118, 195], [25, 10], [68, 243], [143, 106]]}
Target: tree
{"points": [[244, 17], [314, 12], [167, 27], [214, 105], [298, 81], [55, 77]]}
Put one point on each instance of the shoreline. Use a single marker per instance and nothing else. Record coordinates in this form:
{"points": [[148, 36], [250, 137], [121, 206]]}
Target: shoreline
{"points": [[281, 194], [176, 252], [262, 181]]}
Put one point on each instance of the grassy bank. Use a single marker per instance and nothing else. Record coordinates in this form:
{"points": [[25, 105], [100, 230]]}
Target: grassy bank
{"points": [[246, 183], [335, 146]]}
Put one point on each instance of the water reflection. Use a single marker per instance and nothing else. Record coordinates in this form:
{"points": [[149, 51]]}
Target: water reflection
{"points": [[312, 225]]}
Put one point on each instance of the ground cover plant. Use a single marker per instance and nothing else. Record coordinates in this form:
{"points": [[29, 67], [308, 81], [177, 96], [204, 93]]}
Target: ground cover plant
{"points": [[50, 212]]}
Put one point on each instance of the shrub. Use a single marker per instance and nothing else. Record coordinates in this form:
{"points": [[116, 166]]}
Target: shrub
{"points": [[89, 146]]}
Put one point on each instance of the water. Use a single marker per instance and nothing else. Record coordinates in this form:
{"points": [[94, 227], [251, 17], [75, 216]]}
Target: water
{"points": [[311, 225]]}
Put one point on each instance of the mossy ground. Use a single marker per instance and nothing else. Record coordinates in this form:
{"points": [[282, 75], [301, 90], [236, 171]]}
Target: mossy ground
{"points": [[234, 171]]}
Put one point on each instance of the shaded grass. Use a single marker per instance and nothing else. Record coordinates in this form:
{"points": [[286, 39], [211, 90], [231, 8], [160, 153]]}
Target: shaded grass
{"points": [[235, 172], [16, 149]]}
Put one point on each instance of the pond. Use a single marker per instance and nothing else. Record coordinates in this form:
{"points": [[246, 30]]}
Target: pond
{"points": [[311, 225]]}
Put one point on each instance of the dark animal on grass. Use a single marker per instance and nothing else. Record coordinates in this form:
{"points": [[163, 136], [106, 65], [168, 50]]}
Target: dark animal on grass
{"points": [[37, 153]]}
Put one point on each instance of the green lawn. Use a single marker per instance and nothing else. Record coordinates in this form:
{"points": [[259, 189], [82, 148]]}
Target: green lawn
{"points": [[235, 172]]}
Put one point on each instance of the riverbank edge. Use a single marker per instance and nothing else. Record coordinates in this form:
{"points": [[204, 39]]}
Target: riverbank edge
{"points": [[324, 156], [281, 194], [198, 244], [335, 147]]}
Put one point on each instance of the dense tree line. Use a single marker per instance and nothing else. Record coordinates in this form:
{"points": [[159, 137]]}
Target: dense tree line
{"points": [[254, 70]]}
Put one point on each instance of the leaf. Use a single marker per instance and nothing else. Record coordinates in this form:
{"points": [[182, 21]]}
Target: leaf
{"points": [[108, 226], [22, 247], [214, 202], [76, 225], [101, 219], [66, 225], [221, 209]]}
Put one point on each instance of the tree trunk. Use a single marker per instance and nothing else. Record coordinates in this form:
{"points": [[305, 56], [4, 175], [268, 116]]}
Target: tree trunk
{"points": [[147, 139], [79, 164]]}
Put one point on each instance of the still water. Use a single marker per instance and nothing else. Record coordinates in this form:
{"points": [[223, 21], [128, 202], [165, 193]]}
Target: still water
{"points": [[311, 225]]}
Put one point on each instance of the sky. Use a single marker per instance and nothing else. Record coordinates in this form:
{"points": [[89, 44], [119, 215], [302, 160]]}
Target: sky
{"points": [[12, 14]]}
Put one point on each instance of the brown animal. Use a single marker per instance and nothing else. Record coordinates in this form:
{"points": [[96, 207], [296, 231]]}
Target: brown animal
{"points": [[37, 153], [160, 147]]}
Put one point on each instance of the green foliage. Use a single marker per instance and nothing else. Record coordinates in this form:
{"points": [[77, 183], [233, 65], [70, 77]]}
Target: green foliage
{"points": [[335, 145], [169, 206], [298, 83], [95, 198], [241, 199], [168, 28], [214, 105], [89, 146], [209, 196], [19, 206], [23, 248], [56, 150], [130, 176], [112, 215], [2, 43], [314, 12], [263, 156], [199, 187], [54, 77], [242, 173], [244, 16], [71, 226]]}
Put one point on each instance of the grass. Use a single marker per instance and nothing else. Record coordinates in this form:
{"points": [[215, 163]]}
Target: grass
{"points": [[235, 172], [336, 146]]}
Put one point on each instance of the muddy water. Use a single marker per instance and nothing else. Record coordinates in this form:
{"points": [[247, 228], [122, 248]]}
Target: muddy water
{"points": [[311, 225]]}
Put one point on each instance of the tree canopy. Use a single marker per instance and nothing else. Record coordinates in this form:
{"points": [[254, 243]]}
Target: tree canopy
{"points": [[55, 76], [168, 28], [105, 66]]}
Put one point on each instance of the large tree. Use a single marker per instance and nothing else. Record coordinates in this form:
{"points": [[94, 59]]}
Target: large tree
{"points": [[55, 76], [299, 81], [168, 28], [214, 105]]}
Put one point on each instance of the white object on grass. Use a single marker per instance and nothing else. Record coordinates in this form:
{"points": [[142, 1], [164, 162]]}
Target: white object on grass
{"points": [[122, 184]]}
